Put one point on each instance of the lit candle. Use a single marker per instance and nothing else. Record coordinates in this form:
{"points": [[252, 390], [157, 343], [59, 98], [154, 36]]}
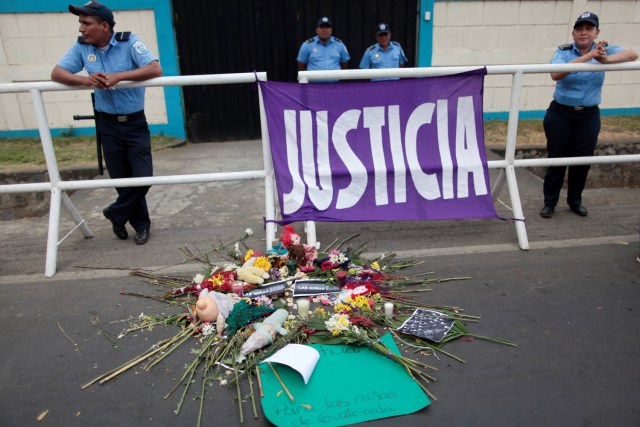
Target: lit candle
{"points": [[303, 308], [388, 310]]}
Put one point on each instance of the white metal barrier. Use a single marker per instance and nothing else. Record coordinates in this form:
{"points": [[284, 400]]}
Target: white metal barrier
{"points": [[509, 163], [58, 188]]}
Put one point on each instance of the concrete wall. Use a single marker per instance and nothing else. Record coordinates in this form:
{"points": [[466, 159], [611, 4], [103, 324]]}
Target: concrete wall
{"points": [[465, 32], [472, 32], [31, 43]]}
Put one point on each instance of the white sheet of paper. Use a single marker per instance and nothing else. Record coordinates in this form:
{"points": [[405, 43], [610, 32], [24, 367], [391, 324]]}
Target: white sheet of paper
{"points": [[299, 357]]}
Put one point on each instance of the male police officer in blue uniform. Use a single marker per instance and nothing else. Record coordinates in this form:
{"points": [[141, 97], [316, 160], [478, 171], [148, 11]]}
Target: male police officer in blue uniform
{"points": [[323, 52], [121, 123], [385, 53]]}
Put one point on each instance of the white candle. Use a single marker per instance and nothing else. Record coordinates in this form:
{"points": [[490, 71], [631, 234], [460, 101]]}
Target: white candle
{"points": [[303, 308], [388, 309]]}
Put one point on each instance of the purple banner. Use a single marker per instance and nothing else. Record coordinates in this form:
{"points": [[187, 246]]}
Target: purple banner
{"points": [[387, 150]]}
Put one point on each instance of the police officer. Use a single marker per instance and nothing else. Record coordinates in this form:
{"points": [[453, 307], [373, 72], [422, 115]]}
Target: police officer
{"points": [[385, 53], [323, 51], [572, 121], [110, 58]]}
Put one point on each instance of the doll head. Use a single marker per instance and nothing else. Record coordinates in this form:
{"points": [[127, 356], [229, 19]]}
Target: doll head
{"points": [[290, 237]]}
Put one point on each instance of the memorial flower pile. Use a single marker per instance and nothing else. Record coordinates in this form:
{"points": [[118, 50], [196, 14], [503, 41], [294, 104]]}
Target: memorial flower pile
{"points": [[248, 304]]}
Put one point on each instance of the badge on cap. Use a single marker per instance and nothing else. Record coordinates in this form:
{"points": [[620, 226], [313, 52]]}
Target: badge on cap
{"points": [[383, 27], [585, 15], [140, 48], [325, 19], [91, 57]]}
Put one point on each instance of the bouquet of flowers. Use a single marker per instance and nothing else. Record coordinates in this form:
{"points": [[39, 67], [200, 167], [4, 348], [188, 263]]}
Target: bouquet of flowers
{"points": [[251, 296]]}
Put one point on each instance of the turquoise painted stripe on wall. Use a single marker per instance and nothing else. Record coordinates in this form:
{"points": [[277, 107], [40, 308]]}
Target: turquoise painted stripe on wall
{"points": [[166, 45], [425, 34], [539, 114]]}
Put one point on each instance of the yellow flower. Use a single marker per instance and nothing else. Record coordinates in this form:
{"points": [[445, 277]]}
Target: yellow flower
{"points": [[263, 263], [216, 280], [248, 255], [375, 265], [341, 307]]}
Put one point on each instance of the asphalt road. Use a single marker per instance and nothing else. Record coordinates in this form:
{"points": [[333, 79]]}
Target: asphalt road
{"points": [[571, 303]]}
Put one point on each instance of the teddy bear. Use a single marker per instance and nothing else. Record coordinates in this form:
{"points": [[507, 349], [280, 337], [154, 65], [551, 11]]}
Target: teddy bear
{"points": [[265, 332], [250, 274], [215, 307]]}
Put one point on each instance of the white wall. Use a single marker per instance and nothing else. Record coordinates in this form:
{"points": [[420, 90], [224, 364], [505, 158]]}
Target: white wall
{"points": [[32, 43], [523, 32], [471, 32]]}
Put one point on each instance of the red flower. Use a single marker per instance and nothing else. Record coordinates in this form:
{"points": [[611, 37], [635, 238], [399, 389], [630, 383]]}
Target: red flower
{"points": [[327, 265], [360, 320]]}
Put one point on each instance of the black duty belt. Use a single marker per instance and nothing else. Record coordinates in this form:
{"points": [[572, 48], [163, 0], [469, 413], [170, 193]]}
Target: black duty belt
{"points": [[122, 118], [569, 107]]}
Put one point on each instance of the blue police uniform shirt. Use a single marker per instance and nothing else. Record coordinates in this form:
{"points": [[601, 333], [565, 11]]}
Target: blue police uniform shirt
{"points": [[376, 57], [319, 56], [118, 56], [583, 89]]}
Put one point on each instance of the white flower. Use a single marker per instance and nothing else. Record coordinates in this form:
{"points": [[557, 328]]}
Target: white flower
{"points": [[141, 316], [338, 323], [223, 382], [198, 278], [248, 232], [337, 257], [208, 329], [236, 248], [230, 267]]}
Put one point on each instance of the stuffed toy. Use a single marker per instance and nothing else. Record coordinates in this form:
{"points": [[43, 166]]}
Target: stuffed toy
{"points": [[250, 274], [215, 307], [277, 249], [303, 255], [265, 332]]}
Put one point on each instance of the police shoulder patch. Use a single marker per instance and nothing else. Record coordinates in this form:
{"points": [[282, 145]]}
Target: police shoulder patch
{"points": [[395, 43], [123, 36], [140, 47], [567, 46], [309, 40], [373, 46], [337, 39]]}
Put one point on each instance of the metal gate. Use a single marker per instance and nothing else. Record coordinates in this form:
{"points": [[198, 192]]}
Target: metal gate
{"points": [[238, 36]]}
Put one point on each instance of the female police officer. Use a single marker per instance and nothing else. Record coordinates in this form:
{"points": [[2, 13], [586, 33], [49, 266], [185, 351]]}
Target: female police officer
{"points": [[572, 122]]}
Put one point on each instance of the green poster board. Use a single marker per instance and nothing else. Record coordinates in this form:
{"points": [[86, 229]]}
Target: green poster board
{"points": [[349, 385]]}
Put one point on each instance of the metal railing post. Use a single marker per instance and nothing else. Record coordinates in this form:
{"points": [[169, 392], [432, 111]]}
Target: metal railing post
{"points": [[509, 156], [269, 179], [56, 194]]}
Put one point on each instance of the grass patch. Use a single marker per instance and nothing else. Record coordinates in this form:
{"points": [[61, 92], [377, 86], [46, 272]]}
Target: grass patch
{"points": [[25, 153], [531, 132]]}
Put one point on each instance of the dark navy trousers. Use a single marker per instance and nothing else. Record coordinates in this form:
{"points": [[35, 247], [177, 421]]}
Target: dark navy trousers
{"points": [[127, 154], [570, 133]]}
